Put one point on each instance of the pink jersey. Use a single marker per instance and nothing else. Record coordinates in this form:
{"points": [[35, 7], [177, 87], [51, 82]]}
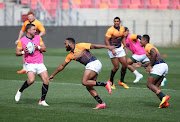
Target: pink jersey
{"points": [[37, 56], [135, 48]]}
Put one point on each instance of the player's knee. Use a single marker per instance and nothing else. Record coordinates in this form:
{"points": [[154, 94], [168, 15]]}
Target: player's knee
{"points": [[30, 81], [116, 67]]}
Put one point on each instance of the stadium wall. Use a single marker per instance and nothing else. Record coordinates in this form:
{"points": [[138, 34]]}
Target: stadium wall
{"points": [[55, 36]]}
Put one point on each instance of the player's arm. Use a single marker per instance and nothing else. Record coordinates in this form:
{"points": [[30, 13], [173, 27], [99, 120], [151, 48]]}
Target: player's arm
{"points": [[60, 68], [19, 49], [41, 29], [21, 33], [42, 47], [98, 46], [106, 40]]}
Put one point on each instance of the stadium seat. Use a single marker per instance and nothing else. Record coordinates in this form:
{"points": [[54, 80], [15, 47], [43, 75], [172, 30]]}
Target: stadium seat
{"points": [[114, 5], [103, 6], [136, 4], [154, 4], [33, 6], [25, 2], [65, 5], [1, 5], [125, 3], [164, 4], [96, 3], [145, 3], [174, 4], [24, 17]]}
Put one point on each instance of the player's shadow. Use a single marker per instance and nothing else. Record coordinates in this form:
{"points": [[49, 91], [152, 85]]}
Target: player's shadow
{"points": [[80, 104], [27, 101]]}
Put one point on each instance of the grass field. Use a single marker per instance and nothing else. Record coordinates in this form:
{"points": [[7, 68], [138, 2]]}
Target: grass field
{"points": [[70, 101]]}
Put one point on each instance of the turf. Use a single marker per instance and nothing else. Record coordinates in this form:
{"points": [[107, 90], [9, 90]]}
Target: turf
{"points": [[70, 101]]}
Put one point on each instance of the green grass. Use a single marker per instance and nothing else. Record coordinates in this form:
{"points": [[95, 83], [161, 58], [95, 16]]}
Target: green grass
{"points": [[70, 101]]}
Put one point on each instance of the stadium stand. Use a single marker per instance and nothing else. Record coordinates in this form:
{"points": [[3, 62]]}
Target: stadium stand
{"points": [[52, 5], [1, 5]]}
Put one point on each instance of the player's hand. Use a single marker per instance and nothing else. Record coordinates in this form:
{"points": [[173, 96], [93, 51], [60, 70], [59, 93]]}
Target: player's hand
{"points": [[51, 78], [148, 69], [26, 50], [111, 48], [114, 52], [138, 64], [36, 47], [16, 42]]}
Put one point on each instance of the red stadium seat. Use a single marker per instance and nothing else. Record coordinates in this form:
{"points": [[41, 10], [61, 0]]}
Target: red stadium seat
{"points": [[1, 5], [114, 5], [145, 3], [24, 17], [125, 3], [25, 2], [164, 4], [96, 3], [174, 4]]}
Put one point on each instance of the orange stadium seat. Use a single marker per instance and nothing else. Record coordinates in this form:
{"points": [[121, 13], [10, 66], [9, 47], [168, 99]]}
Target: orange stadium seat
{"points": [[154, 4], [103, 5], [1, 5], [125, 3]]}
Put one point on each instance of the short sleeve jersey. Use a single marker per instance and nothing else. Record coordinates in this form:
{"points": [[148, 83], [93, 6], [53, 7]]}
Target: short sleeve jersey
{"points": [[81, 54], [148, 48], [19, 45], [115, 35], [37, 23]]}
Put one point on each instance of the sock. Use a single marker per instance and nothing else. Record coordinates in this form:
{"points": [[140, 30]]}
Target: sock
{"points": [[123, 72], [112, 76], [98, 99], [24, 67], [160, 94], [100, 84], [136, 73], [24, 86], [44, 91]]}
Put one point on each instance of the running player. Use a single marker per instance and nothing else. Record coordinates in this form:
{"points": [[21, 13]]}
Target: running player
{"points": [[157, 69], [139, 54], [115, 36], [80, 52], [33, 62], [39, 30]]}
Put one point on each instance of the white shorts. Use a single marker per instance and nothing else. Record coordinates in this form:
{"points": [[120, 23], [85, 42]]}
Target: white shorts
{"points": [[119, 53], [36, 68], [94, 66], [141, 58], [160, 69]]}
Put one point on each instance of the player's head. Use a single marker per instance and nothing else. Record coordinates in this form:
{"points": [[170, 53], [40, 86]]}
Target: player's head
{"points": [[31, 29], [117, 22], [30, 16], [69, 44], [145, 39], [126, 31]]}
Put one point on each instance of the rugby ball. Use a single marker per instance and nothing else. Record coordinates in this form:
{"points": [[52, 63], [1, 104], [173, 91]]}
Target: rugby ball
{"points": [[30, 47]]}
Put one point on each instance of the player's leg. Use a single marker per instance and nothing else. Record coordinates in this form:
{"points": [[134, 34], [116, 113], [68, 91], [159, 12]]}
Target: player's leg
{"points": [[115, 63], [139, 76], [123, 62], [42, 72], [24, 66], [27, 83], [91, 72]]}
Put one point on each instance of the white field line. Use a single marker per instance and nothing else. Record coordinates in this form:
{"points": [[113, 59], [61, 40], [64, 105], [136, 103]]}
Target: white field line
{"points": [[54, 82]]}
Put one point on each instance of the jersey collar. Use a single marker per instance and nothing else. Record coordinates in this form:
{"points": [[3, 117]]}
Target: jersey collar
{"points": [[73, 49], [117, 28], [29, 38]]}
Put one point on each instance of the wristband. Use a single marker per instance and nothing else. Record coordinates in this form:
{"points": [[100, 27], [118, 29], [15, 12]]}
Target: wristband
{"points": [[39, 47], [23, 52]]}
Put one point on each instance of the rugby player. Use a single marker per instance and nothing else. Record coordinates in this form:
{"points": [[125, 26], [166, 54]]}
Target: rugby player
{"points": [[80, 52], [157, 69], [39, 30], [34, 62], [115, 36]]}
